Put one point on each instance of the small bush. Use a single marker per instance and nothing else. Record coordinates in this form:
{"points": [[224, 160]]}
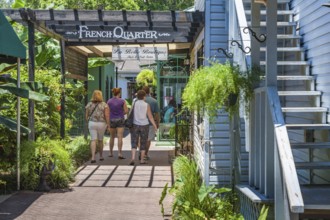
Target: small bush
{"points": [[79, 150], [193, 199], [35, 155]]}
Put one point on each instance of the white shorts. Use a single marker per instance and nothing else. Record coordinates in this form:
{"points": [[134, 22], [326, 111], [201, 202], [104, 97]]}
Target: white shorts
{"points": [[96, 130], [152, 133]]}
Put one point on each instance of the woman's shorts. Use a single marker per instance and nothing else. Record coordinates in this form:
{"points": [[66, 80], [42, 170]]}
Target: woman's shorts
{"points": [[117, 123], [96, 130], [139, 133]]}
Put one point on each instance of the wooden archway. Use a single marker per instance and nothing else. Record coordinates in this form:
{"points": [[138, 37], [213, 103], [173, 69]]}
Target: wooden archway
{"points": [[82, 34]]}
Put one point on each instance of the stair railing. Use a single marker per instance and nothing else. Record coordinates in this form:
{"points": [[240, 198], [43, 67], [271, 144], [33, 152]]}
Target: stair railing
{"points": [[271, 133], [239, 46], [272, 169], [239, 43]]}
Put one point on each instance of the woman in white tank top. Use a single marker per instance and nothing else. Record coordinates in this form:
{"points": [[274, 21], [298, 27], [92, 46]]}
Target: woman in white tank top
{"points": [[140, 130]]}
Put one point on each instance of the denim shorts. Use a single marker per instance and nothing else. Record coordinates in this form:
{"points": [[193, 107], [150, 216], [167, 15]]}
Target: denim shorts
{"points": [[117, 123]]}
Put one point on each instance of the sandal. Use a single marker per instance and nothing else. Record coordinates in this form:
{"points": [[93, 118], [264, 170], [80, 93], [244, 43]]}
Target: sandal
{"points": [[101, 158], [132, 163], [93, 161], [121, 158]]}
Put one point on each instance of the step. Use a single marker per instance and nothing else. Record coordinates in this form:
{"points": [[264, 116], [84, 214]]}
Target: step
{"points": [[299, 93], [253, 195], [295, 78], [304, 109], [288, 63], [309, 126], [288, 36], [315, 199], [312, 165], [279, 12], [285, 49], [312, 145], [279, 24]]}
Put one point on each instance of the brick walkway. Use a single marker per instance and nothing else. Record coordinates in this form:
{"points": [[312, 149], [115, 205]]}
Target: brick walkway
{"points": [[109, 189]]}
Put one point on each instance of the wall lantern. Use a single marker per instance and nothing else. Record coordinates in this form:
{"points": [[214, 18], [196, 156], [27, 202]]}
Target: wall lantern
{"points": [[261, 2]]}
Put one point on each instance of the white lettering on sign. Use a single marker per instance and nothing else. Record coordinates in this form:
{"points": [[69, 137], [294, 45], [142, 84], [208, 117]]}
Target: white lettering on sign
{"points": [[117, 33], [139, 53]]}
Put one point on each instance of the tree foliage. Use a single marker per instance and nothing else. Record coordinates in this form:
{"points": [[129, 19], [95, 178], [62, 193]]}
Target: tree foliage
{"points": [[158, 5]]}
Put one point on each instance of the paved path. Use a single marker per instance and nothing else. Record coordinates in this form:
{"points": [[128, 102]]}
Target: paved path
{"points": [[109, 189]]}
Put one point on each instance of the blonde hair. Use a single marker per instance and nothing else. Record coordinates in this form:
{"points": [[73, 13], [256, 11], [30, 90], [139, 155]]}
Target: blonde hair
{"points": [[116, 91], [97, 96]]}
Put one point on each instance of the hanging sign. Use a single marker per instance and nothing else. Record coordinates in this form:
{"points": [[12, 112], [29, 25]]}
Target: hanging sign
{"points": [[116, 33], [139, 53]]}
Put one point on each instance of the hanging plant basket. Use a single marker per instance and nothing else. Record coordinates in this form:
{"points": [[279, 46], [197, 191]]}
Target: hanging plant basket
{"points": [[219, 86]]}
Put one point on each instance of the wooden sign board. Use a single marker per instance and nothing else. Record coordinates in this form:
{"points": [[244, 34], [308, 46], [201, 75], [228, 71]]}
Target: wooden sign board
{"points": [[139, 53], [116, 33]]}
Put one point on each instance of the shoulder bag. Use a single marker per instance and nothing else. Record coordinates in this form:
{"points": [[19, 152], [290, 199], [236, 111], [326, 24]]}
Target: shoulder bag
{"points": [[130, 117], [92, 112]]}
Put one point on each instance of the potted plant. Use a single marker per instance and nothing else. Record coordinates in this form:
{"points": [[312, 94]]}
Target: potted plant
{"points": [[146, 77], [217, 86]]}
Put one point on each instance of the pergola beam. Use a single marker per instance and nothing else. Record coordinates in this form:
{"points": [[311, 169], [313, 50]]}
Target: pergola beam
{"points": [[96, 51], [144, 26]]}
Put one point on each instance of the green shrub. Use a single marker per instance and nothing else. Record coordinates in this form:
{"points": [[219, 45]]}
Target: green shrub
{"points": [[79, 150], [35, 155], [193, 199]]}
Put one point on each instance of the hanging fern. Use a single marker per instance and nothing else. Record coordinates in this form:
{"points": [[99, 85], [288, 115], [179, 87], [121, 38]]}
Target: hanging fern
{"points": [[211, 87], [146, 77]]}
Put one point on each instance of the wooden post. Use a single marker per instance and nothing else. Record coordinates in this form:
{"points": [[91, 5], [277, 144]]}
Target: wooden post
{"points": [[255, 26], [63, 70], [271, 80], [271, 44], [31, 43], [18, 136], [86, 100], [158, 84], [116, 76]]}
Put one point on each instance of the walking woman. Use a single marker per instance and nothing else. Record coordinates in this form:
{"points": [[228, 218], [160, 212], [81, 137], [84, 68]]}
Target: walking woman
{"points": [[140, 130], [97, 116], [118, 109]]}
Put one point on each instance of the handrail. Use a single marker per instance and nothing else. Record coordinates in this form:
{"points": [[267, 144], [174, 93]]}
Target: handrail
{"points": [[238, 39], [246, 40], [238, 45], [288, 168]]}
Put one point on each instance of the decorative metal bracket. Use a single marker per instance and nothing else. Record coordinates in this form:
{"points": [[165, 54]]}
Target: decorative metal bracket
{"points": [[245, 50], [261, 38], [227, 54]]}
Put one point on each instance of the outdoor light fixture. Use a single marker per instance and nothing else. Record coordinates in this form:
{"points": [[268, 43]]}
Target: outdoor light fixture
{"points": [[261, 1]]}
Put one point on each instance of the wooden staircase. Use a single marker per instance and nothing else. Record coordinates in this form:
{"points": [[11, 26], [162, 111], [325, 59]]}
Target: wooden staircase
{"points": [[305, 117]]}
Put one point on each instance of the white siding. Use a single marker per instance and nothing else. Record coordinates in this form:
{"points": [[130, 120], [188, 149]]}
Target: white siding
{"points": [[314, 27]]}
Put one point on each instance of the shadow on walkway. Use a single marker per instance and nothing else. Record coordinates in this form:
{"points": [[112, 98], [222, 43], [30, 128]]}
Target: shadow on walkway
{"points": [[109, 190]]}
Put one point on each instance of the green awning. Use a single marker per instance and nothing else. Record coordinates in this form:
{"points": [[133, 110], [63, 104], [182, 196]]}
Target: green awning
{"points": [[10, 45]]}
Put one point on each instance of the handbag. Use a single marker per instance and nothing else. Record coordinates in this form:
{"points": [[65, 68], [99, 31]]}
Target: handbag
{"points": [[130, 118]]}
